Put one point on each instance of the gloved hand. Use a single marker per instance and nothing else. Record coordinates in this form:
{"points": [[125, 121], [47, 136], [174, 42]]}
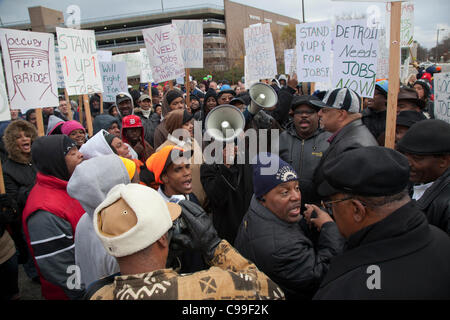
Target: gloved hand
{"points": [[201, 228], [8, 209]]}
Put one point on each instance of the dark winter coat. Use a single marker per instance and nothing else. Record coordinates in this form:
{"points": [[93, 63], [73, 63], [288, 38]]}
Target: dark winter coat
{"points": [[375, 121], [435, 202], [283, 251], [229, 191], [304, 156], [410, 258], [353, 135]]}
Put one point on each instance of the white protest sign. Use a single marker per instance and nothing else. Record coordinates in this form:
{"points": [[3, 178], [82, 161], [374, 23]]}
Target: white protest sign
{"points": [[406, 24], [146, 69], [164, 51], [59, 70], [383, 56], [133, 61], [114, 78], [30, 68], [290, 61], [355, 56], [4, 103], [104, 56], [442, 96], [260, 52], [190, 33], [79, 61], [313, 51]]}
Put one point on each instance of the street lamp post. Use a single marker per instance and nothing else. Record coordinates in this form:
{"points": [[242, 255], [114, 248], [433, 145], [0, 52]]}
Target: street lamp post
{"points": [[437, 44]]}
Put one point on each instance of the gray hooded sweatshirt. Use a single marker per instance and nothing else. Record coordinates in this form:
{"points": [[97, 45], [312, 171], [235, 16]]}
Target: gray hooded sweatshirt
{"points": [[89, 184]]}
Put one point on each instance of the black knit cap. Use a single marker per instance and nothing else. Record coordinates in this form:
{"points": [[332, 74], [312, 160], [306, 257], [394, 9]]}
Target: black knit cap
{"points": [[426, 137], [187, 116], [366, 171], [409, 117], [172, 95]]}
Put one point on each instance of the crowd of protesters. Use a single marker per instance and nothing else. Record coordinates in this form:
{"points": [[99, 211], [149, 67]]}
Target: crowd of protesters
{"points": [[137, 200]]}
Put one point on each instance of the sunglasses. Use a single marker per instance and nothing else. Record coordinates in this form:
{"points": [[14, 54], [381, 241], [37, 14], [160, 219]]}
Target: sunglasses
{"points": [[329, 204]]}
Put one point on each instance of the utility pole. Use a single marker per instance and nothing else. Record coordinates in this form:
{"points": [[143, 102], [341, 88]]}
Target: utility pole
{"points": [[437, 44]]}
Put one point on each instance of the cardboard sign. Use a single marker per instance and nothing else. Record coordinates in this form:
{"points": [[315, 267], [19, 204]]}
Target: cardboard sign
{"points": [[146, 69], [355, 56], [4, 103], [30, 68], [59, 70], [442, 96], [406, 24], [79, 61], [104, 56], [313, 51], [383, 56], [114, 79], [290, 61], [164, 52], [133, 61], [190, 33], [260, 52]]}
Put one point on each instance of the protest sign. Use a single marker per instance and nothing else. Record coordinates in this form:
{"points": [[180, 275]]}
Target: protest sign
{"points": [[114, 79], [30, 69], [442, 96], [59, 70], [164, 52], [260, 52], [406, 23], [190, 33], [355, 56], [146, 69], [4, 103], [383, 56], [290, 61], [133, 61], [79, 60], [104, 56], [313, 51]]}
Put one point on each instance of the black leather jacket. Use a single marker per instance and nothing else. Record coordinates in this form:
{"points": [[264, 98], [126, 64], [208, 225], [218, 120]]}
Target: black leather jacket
{"points": [[435, 202]]}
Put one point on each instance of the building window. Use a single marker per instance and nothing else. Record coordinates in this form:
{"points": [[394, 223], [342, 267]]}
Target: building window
{"points": [[254, 17], [282, 23], [268, 20]]}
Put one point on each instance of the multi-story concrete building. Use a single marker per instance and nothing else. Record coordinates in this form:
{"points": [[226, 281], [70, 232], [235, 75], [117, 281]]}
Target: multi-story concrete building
{"points": [[223, 38]]}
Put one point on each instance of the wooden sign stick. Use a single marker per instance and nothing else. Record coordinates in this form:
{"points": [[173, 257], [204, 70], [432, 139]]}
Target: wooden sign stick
{"points": [[40, 122], [2, 182], [87, 110], [170, 84], [188, 88], [101, 102], [394, 69], [150, 95], [69, 105], [80, 107]]}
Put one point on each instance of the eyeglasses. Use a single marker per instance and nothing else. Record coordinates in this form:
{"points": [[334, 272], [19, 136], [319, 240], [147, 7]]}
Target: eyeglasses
{"points": [[329, 204]]}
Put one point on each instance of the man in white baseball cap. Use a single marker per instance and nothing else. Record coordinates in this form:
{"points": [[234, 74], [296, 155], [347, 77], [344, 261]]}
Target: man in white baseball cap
{"points": [[340, 114], [134, 223]]}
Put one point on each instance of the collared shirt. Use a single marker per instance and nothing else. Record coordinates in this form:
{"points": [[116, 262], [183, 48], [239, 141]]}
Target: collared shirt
{"points": [[420, 189]]}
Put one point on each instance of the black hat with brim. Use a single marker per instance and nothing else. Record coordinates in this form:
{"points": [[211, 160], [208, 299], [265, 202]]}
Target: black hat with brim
{"points": [[367, 171], [426, 137], [304, 100]]}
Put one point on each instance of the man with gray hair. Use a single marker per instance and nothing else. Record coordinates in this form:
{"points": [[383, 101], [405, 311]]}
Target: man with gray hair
{"points": [[392, 252], [340, 114]]}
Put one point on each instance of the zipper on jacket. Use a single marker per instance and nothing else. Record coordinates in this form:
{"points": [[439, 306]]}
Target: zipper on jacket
{"points": [[301, 159]]}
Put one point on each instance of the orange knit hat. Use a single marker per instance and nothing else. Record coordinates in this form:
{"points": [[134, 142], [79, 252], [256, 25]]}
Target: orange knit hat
{"points": [[159, 161]]}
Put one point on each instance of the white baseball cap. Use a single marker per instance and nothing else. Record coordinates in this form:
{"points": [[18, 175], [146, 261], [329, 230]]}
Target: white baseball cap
{"points": [[133, 217]]}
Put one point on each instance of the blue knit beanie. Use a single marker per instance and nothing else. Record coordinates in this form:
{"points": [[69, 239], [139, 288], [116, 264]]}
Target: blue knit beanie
{"points": [[270, 171]]}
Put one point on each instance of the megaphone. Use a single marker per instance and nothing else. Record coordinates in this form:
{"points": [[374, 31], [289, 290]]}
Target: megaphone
{"points": [[263, 96], [225, 123]]}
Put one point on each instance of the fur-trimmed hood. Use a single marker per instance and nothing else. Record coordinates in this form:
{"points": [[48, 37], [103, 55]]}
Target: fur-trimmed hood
{"points": [[10, 136]]}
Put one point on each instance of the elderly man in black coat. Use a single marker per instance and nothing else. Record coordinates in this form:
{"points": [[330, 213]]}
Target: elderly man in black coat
{"points": [[271, 236], [391, 251], [427, 146]]}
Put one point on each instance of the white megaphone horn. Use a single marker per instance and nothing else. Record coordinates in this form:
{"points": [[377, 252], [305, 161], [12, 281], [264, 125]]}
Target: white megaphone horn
{"points": [[225, 123], [263, 96]]}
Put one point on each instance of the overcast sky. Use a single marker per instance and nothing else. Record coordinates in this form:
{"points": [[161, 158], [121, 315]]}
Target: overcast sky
{"points": [[428, 15]]}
